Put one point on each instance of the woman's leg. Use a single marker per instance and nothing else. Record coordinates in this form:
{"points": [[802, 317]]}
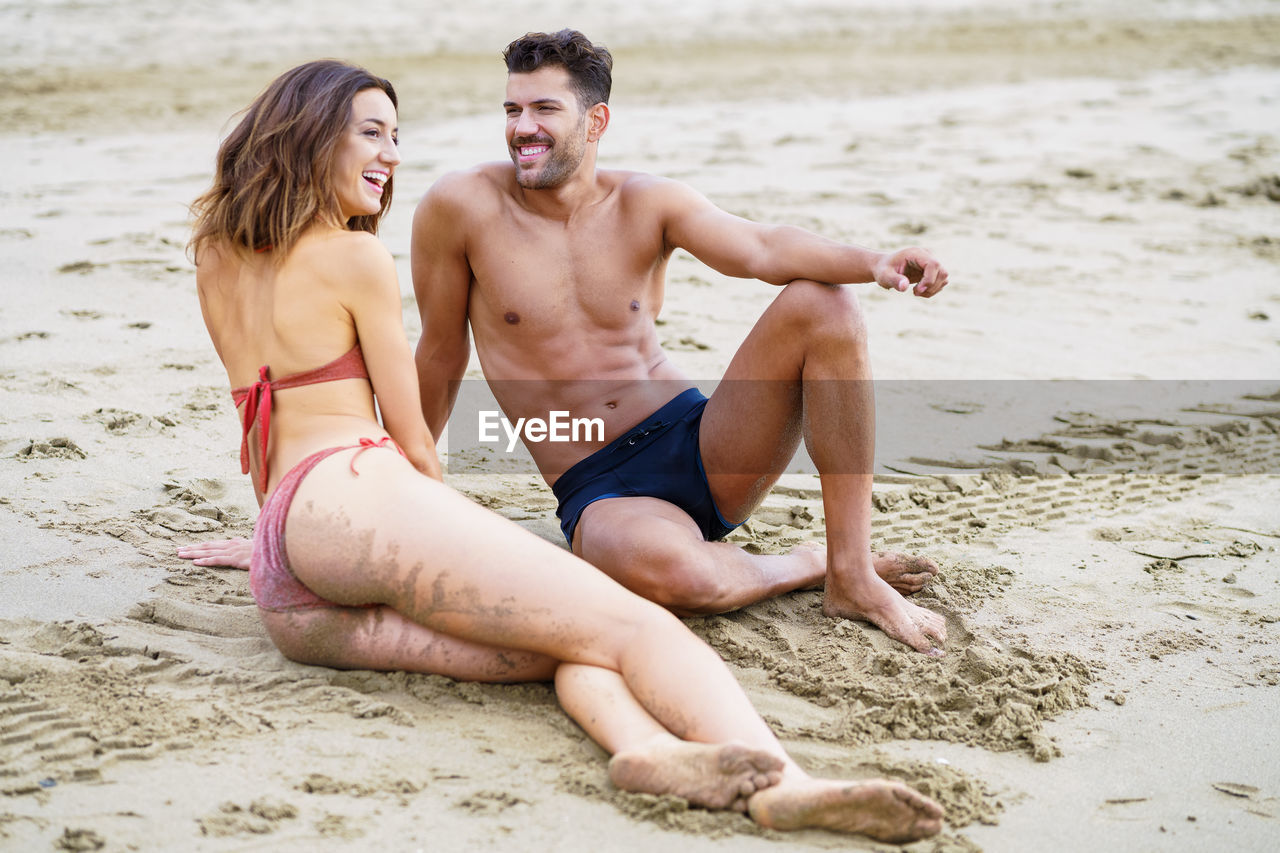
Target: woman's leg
{"points": [[649, 759], [652, 760], [379, 638], [391, 536], [771, 788], [394, 537]]}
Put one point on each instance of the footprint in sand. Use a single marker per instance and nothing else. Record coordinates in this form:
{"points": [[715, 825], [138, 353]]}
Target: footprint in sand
{"points": [[42, 742], [120, 422], [490, 802], [52, 448], [177, 520], [686, 343], [81, 267], [261, 817], [80, 839]]}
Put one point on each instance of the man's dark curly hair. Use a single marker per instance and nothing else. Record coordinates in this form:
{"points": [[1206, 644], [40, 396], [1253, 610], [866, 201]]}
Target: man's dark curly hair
{"points": [[590, 66]]}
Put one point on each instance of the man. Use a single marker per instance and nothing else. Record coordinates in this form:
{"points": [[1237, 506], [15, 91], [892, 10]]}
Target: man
{"points": [[559, 268]]}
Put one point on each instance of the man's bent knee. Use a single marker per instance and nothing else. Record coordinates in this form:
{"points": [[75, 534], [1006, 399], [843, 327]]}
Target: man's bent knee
{"points": [[684, 580], [824, 308]]}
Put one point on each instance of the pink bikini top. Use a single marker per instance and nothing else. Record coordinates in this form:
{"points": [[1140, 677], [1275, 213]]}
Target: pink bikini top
{"points": [[348, 366]]}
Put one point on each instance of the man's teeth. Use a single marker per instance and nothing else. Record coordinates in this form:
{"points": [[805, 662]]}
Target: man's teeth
{"points": [[378, 178], [530, 150]]}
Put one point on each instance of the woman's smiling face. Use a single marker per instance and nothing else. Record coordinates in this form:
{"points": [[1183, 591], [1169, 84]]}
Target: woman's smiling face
{"points": [[367, 155]]}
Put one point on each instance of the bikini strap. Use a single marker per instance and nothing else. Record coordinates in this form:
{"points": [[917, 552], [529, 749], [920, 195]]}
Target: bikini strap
{"points": [[257, 397], [369, 444], [257, 400], [349, 365]]}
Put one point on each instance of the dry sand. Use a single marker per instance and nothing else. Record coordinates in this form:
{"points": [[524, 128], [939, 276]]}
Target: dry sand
{"points": [[1103, 187]]}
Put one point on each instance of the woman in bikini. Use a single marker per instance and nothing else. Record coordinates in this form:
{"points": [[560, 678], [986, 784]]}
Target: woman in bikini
{"points": [[386, 567]]}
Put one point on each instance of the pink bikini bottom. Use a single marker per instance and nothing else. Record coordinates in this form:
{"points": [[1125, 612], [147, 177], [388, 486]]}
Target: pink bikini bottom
{"points": [[275, 586]]}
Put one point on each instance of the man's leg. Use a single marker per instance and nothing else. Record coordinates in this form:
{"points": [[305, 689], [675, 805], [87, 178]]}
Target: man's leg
{"points": [[654, 549], [804, 371]]}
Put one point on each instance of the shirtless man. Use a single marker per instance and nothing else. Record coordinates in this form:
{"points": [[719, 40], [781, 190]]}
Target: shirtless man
{"points": [[559, 267]]}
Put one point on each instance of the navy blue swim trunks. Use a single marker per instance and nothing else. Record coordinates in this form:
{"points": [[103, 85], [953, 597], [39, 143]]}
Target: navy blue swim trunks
{"points": [[658, 458]]}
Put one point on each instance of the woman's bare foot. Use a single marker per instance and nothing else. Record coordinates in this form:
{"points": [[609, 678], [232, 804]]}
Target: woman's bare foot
{"points": [[884, 810], [717, 776], [865, 596], [907, 573]]}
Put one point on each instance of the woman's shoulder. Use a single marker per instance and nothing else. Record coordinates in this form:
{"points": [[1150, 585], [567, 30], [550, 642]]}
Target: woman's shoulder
{"points": [[339, 251], [217, 267], [337, 241], [212, 255], [345, 263]]}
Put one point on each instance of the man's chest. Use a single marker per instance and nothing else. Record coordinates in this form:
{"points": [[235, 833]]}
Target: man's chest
{"points": [[544, 278]]}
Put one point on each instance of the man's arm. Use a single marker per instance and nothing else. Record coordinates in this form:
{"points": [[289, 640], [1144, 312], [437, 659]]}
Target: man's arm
{"points": [[779, 254], [441, 283]]}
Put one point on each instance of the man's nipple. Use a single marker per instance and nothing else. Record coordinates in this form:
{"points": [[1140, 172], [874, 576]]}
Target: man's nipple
{"points": [[511, 317], [635, 306]]}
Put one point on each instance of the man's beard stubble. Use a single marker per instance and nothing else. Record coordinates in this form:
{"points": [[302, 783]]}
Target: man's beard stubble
{"points": [[562, 160]]}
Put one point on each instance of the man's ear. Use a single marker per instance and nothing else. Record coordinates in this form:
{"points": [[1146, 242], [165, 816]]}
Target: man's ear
{"points": [[597, 122]]}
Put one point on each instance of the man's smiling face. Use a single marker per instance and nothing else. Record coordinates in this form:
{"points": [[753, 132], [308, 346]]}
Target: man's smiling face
{"points": [[546, 127]]}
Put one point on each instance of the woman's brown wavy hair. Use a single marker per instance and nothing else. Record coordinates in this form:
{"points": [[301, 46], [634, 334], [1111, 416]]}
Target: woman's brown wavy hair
{"points": [[272, 173]]}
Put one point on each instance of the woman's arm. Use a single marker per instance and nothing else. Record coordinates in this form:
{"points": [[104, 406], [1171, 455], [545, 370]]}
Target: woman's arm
{"points": [[371, 293]]}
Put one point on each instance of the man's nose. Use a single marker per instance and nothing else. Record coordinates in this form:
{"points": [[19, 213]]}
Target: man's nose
{"points": [[525, 125]]}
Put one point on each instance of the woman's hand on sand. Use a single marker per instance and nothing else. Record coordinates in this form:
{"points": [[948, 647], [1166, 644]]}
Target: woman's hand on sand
{"points": [[228, 553]]}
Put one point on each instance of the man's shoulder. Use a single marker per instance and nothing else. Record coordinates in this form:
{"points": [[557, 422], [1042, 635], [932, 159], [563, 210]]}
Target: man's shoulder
{"points": [[646, 187], [635, 182], [468, 186]]}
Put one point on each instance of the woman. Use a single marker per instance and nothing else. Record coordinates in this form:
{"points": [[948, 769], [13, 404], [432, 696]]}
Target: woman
{"points": [[386, 567]]}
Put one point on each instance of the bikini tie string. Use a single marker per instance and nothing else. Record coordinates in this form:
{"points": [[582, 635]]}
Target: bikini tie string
{"points": [[369, 444], [257, 408]]}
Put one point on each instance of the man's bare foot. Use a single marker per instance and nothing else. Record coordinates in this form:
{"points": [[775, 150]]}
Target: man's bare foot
{"points": [[229, 553], [907, 573], [815, 556], [870, 599], [717, 776], [884, 810]]}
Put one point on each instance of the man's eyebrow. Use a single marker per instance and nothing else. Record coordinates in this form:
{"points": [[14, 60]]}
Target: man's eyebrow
{"points": [[555, 101]]}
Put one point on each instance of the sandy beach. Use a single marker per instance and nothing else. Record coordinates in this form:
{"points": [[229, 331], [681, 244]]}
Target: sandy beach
{"points": [[1083, 430]]}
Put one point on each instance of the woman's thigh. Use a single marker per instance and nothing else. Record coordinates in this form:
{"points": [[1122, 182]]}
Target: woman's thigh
{"points": [[392, 536], [380, 638]]}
